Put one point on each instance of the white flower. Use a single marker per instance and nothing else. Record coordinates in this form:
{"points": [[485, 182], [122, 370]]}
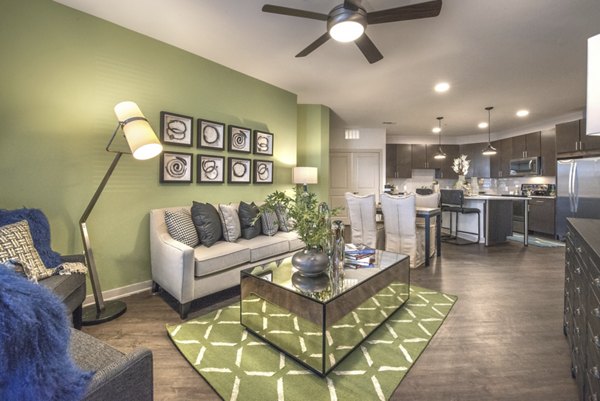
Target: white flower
{"points": [[461, 165]]}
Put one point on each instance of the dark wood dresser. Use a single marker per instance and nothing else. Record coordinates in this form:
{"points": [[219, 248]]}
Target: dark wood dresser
{"points": [[582, 304]]}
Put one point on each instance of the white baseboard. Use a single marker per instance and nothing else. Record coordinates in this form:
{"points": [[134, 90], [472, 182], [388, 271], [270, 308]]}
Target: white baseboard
{"points": [[120, 292]]}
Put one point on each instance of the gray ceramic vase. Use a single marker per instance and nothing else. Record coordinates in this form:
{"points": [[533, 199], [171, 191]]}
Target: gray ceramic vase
{"points": [[310, 262]]}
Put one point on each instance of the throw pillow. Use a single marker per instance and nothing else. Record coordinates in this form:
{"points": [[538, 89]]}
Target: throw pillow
{"points": [[39, 229], [285, 223], [231, 222], [34, 344], [248, 213], [16, 243], [181, 227], [270, 224], [207, 222]]}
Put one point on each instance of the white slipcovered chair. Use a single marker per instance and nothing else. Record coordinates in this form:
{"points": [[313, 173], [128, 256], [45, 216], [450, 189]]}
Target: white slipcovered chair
{"points": [[363, 227], [433, 201], [401, 234]]}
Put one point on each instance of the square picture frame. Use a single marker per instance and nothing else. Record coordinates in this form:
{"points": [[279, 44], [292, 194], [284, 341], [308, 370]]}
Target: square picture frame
{"points": [[211, 134], [263, 143], [210, 169], [263, 171], [176, 167], [239, 139], [238, 170], [176, 129]]}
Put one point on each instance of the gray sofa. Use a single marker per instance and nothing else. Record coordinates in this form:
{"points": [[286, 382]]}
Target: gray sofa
{"points": [[188, 273]]}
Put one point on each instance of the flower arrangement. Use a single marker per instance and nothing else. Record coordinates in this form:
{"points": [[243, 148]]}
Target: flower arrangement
{"points": [[461, 165]]}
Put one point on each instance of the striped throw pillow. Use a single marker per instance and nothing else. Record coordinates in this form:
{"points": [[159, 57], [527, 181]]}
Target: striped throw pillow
{"points": [[270, 224]]}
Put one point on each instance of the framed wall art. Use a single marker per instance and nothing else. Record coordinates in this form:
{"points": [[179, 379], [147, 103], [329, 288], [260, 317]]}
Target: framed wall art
{"points": [[211, 135], [175, 129], [239, 139], [238, 170], [211, 169], [263, 143], [176, 167], [263, 172]]}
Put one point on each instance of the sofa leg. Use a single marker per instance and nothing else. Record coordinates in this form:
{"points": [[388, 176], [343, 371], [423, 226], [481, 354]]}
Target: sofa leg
{"points": [[184, 309], [77, 317], [155, 287]]}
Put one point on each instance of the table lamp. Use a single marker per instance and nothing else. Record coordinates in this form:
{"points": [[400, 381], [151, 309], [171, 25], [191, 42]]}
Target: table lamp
{"points": [[304, 176], [144, 145]]}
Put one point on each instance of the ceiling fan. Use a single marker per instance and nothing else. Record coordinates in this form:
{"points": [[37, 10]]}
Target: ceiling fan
{"points": [[347, 22]]}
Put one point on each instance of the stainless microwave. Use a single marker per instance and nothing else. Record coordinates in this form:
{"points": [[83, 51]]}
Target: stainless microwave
{"points": [[526, 166]]}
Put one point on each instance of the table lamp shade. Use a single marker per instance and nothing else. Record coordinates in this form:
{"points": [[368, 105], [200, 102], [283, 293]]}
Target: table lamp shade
{"points": [[304, 175], [139, 134]]}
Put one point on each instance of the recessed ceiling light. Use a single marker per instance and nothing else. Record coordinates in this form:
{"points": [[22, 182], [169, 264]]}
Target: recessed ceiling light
{"points": [[522, 113], [389, 122], [482, 125], [442, 87], [436, 130]]}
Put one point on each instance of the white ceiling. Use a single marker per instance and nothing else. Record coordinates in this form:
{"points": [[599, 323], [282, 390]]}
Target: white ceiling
{"points": [[509, 54]]}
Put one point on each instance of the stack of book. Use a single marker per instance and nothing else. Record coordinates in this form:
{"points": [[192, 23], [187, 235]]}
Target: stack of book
{"points": [[358, 256]]}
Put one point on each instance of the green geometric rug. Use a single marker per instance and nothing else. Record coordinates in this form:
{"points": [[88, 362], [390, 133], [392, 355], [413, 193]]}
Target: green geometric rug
{"points": [[239, 366]]}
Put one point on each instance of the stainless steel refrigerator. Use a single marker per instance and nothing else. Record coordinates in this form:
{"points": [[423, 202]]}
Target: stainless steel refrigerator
{"points": [[577, 191]]}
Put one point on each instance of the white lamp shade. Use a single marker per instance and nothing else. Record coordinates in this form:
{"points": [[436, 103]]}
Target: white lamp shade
{"points": [[139, 134], [593, 87], [304, 175]]}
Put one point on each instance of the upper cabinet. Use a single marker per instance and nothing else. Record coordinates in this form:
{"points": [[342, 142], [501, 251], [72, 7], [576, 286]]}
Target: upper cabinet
{"points": [[398, 161], [548, 147], [419, 156], [500, 162], [480, 164], [528, 145], [571, 139]]}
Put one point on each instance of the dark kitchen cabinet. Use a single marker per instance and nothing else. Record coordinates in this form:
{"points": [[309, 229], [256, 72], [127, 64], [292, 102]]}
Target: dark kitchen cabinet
{"points": [[541, 215], [419, 156], [528, 145], [480, 164], [398, 161], [572, 140], [500, 162], [548, 148]]}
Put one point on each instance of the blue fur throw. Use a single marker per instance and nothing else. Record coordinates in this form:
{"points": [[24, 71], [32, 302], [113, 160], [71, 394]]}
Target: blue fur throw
{"points": [[40, 232], [35, 363]]}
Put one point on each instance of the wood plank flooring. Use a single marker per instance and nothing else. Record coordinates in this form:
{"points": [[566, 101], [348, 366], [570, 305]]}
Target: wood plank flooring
{"points": [[502, 341]]}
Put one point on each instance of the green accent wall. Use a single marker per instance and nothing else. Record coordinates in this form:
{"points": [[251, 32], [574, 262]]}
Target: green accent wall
{"points": [[313, 144], [62, 73]]}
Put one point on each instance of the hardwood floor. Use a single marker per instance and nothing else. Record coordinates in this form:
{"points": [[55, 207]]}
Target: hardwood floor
{"points": [[502, 341]]}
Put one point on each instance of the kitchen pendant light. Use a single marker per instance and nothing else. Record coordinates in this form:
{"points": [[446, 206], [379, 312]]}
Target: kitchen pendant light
{"points": [[489, 149], [440, 153]]}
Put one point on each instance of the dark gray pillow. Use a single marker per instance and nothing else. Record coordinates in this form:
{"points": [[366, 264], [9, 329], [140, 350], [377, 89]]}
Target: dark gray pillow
{"points": [[207, 222], [248, 213], [270, 224], [285, 224]]}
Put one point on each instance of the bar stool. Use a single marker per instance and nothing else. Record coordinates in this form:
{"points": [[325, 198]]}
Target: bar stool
{"points": [[452, 201]]}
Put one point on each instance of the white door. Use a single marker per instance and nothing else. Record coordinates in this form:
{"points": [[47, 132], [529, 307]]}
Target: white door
{"points": [[357, 172]]}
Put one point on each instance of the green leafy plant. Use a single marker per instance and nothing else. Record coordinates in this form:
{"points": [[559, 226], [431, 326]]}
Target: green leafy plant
{"points": [[310, 219]]}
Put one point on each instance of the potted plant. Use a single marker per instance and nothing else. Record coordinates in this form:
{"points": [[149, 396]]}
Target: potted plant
{"points": [[311, 220]]}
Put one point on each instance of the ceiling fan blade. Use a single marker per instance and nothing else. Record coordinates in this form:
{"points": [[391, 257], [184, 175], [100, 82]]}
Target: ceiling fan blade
{"points": [[368, 48], [268, 8], [314, 45], [414, 11], [352, 4]]}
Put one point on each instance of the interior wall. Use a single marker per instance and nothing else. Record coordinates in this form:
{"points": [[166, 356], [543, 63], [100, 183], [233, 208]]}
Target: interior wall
{"points": [[313, 144], [62, 73]]}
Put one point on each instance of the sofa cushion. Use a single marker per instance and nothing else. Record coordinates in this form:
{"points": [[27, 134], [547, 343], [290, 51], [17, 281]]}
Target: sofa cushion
{"points": [[181, 227], [207, 222], [250, 226], [285, 223], [39, 229], [292, 237], [230, 221], [264, 246], [270, 224], [16, 243], [221, 256]]}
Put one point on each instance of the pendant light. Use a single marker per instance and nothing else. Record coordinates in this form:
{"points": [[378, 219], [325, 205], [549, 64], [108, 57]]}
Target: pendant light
{"points": [[440, 153], [489, 149]]}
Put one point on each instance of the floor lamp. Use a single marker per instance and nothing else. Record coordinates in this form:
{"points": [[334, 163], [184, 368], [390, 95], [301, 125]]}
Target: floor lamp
{"points": [[144, 145], [304, 176]]}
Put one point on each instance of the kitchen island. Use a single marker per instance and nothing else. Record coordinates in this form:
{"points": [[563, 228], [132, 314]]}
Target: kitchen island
{"points": [[496, 218]]}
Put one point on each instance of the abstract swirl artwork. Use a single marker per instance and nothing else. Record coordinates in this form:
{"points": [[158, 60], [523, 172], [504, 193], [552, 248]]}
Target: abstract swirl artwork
{"points": [[263, 172], [176, 167], [239, 139], [175, 129], [239, 170], [211, 134], [211, 169], [263, 143]]}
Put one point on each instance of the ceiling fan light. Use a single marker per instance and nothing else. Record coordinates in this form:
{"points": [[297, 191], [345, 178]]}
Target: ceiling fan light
{"points": [[346, 31]]}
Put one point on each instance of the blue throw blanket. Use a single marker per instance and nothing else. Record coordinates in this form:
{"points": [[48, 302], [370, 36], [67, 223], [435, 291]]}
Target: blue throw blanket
{"points": [[35, 363]]}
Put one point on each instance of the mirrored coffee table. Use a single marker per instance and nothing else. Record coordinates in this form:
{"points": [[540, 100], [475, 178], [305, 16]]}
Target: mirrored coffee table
{"points": [[320, 320]]}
